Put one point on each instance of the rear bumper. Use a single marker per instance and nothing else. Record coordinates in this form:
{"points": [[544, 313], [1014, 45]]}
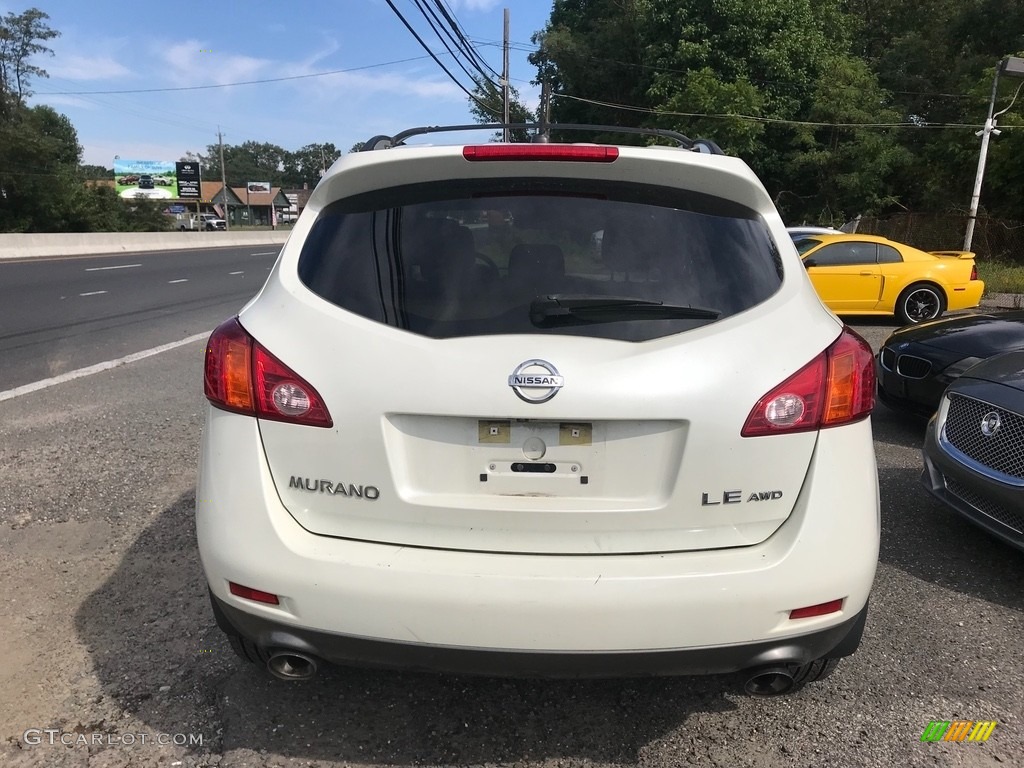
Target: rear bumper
{"points": [[965, 296], [728, 606], [270, 635]]}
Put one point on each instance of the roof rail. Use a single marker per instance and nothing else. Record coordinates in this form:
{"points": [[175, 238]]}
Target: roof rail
{"points": [[705, 146]]}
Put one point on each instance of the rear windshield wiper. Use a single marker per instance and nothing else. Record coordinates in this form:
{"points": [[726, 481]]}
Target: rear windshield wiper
{"points": [[562, 309]]}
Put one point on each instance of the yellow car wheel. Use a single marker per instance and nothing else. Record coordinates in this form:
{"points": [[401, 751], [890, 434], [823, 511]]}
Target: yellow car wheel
{"points": [[919, 303]]}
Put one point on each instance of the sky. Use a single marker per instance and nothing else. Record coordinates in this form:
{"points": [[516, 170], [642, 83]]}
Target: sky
{"points": [[382, 80]]}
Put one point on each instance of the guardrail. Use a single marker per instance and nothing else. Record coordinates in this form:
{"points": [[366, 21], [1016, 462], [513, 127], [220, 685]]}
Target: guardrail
{"points": [[19, 246]]}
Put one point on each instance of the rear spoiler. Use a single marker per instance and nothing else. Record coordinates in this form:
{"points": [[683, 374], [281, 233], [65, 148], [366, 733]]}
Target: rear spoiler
{"points": [[953, 254]]}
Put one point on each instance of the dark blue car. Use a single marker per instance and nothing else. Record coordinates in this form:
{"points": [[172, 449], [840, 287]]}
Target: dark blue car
{"points": [[974, 447]]}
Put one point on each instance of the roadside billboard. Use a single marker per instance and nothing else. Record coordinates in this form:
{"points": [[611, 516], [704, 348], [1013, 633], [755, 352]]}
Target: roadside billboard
{"points": [[144, 178], [257, 187], [189, 180]]}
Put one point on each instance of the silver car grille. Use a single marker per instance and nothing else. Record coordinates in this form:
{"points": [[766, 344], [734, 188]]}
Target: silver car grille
{"points": [[1001, 452], [996, 511]]}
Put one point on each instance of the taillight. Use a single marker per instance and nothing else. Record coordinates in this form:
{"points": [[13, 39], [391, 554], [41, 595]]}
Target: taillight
{"points": [[572, 152], [974, 271], [837, 387], [240, 375]]}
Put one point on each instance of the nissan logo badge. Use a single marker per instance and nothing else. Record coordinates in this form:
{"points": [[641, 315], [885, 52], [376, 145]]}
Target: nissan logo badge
{"points": [[536, 381]]}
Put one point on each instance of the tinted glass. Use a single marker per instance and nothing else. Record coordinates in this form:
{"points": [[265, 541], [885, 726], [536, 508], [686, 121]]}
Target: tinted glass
{"points": [[841, 254], [888, 255], [805, 244], [465, 258]]}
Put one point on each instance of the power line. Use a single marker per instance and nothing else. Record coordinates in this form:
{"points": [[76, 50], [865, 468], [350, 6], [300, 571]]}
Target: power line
{"points": [[243, 82], [453, 33], [137, 110], [467, 46], [533, 48], [434, 22], [755, 118], [408, 26]]}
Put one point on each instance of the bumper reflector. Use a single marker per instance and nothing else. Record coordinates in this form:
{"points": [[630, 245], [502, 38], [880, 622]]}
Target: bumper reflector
{"points": [[832, 606], [252, 594]]}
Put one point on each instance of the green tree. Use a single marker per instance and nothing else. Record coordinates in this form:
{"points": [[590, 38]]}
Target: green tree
{"points": [[307, 164], [95, 172], [21, 37], [42, 188], [39, 155], [749, 74], [249, 161], [843, 169], [597, 51], [937, 59], [42, 185], [260, 161], [488, 106]]}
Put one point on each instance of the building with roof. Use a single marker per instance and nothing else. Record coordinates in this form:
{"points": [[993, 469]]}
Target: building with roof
{"points": [[259, 205]]}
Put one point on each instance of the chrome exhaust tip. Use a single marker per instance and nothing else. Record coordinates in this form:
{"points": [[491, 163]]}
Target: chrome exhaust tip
{"points": [[290, 665], [769, 681]]}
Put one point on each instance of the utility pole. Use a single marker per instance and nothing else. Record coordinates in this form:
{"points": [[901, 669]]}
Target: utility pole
{"points": [[986, 133], [1011, 66], [223, 182], [545, 112], [504, 78]]}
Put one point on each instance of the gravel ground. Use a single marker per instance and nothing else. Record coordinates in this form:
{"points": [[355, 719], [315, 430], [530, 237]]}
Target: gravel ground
{"points": [[109, 645]]}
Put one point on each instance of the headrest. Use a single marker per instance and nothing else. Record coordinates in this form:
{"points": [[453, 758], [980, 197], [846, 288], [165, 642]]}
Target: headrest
{"points": [[536, 260], [626, 249], [441, 247]]}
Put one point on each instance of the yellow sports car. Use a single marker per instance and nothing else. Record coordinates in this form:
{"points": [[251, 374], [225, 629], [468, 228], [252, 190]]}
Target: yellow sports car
{"points": [[869, 275]]}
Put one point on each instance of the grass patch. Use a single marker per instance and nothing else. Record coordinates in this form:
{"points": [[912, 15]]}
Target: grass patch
{"points": [[1001, 277]]}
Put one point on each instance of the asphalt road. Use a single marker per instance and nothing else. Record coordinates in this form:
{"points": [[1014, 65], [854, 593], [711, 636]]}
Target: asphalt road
{"points": [[107, 637], [63, 314]]}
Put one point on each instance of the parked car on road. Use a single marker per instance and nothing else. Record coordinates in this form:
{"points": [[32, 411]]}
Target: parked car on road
{"points": [[207, 221], [917, 363], [433, 445], [869, 275], [974, 447]]}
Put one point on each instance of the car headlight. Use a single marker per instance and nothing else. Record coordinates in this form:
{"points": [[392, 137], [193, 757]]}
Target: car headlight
{"points": [[957, 369]]}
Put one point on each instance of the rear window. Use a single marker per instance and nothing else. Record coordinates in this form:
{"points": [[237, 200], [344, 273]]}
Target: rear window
{"points": [[479, 257]]}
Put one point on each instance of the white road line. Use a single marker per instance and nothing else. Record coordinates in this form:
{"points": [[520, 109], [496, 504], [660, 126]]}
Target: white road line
{"points": [[119, 266], [92, 293], [182, 280], [268, 253], [98, 368], [236, 273]]}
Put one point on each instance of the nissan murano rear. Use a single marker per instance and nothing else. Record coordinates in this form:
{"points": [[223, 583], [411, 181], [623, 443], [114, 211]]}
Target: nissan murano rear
{"points": [[540, 409]]}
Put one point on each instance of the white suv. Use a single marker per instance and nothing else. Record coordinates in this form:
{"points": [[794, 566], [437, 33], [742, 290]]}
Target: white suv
{"points": [[458, 430]]}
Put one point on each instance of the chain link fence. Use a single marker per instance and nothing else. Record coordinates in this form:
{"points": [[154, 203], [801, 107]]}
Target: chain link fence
{"points": [[999, 240]]}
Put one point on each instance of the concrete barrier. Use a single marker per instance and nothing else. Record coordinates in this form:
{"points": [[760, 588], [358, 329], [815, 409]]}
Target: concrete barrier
{"points": [[19, 246]]}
